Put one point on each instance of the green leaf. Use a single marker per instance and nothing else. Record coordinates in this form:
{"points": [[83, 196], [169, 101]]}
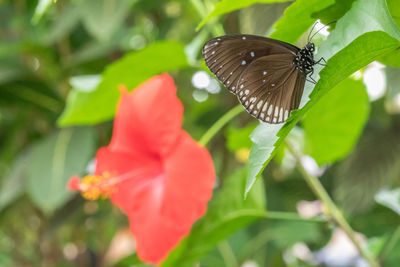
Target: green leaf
{"points": [[103, 17], [287, 233], [394, 8], [391, 59], [370, 166], [131, 70], [63, 25], [334, 12], [13, 185], [53, 161], [334, 124], [389, 199], [226, 214], [239, 138], [348, 48], [226, 6], [41, 8], [297, 19]]}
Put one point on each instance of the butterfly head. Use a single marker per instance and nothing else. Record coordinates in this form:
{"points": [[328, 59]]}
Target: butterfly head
{"points": [[310, 47]]}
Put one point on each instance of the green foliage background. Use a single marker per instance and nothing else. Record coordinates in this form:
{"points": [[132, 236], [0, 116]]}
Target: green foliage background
{"points": [[60, 66]]}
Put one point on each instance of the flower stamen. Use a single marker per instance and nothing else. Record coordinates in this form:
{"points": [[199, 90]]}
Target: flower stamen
{"points": [[93, 187]]}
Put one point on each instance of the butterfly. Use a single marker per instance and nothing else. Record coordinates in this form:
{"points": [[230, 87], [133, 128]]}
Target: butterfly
{"points": [[267, 75]]}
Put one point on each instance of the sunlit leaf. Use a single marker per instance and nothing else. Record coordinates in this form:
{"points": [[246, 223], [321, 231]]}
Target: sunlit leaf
{"points": [[227, 213], [389, 199], [85, 83], [53, 161], [334, 124], [226, 6], [297, 19], [131, 70], [348, 48], [41, 8]]}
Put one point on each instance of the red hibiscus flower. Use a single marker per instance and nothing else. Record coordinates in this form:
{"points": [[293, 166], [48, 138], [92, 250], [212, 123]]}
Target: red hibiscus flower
{"points": [[152, 169]]}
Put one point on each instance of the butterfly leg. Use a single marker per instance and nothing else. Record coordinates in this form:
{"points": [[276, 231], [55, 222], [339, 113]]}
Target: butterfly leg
{"points": [[311, 78], [318, 62]]}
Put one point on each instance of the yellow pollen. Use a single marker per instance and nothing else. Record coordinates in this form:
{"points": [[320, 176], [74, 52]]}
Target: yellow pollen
{"points": [[96, 186]]}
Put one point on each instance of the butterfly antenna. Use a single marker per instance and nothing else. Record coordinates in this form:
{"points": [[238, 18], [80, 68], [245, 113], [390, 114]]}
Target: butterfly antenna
{"points": [[308, 38], [320, 29]]}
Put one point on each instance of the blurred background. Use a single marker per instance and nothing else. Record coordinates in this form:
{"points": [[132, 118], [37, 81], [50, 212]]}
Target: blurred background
{"points": [[50, 56]]}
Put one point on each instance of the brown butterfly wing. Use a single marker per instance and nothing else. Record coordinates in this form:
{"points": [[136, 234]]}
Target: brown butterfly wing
{"points": [[271, 87], [228, 56]]}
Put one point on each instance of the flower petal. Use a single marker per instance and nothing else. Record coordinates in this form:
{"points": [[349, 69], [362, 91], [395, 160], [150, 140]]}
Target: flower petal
{"points": [[190, 178], [149, 118], [138, 171], [166, 208]]}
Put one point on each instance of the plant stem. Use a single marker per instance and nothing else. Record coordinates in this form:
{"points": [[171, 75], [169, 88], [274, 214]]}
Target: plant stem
{"points": [[291, 216], [390, 244], [201, 9], [333, 210], [227, 254], [219, 124]]}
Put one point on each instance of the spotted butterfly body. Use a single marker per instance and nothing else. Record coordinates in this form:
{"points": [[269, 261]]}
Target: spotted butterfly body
{"points": [[267, 75]]}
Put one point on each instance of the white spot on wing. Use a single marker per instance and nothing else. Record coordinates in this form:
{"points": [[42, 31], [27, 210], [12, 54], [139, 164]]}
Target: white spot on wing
{"points": [[255, 112], [276, 113], [252, 54], [270, 109], [265, 106], [286, 115], [251, 106], [244, 62], [253, 99], [244, 37], [241, 93], [246, 103], [275, 120], [246, 91], [264, 72], [280, 114], [259, 104], [273, 85], [241, 86], [262, 115]]}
